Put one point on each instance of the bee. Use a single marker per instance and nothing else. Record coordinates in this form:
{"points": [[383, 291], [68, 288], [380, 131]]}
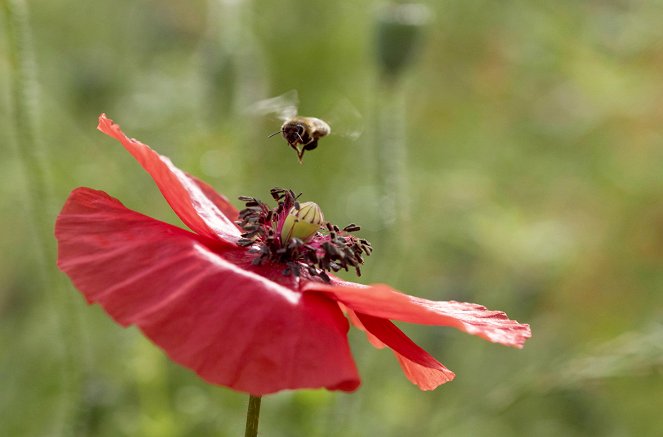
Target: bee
{"points": [[303, 133]]}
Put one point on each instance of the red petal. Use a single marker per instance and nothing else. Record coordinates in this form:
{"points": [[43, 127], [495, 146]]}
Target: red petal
{"points": [[233, 327], [382, 301], [221, 201], [424, 377], [372, 339], [418, 365], [189, 200]]}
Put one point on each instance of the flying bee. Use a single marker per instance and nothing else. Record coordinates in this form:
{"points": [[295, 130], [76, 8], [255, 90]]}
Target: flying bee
{"points": [[302, 133]]}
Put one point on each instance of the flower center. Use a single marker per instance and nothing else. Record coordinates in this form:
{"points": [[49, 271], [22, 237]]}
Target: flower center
{"points": [[297, 236]]}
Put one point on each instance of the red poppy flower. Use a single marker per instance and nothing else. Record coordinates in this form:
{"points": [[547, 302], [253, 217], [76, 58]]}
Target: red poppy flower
{"points": [[202, 297]]}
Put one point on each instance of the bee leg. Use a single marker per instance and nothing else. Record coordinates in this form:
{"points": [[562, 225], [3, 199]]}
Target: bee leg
{"points": [[300, 154], [312, 145]]}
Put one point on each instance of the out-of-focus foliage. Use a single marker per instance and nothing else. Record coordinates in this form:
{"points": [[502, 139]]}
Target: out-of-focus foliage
{"points": [[534, 172]]}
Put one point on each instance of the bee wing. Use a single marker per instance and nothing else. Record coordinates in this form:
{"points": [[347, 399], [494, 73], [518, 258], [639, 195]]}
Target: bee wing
{"points": [[345, 120], [282, 107]]}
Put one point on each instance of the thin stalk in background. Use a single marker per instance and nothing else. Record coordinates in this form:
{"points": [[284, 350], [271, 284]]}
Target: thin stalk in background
{"points": [[23, 82], [233, 76], [233, 70], [398, 35], [391, 156]]}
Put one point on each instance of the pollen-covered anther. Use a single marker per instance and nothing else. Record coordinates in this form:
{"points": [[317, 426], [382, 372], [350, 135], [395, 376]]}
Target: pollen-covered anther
{"points": [[302, 222]]}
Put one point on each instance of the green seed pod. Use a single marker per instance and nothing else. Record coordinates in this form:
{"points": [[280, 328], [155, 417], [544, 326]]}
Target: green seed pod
{"points": [[399, 28], [302, 223]]}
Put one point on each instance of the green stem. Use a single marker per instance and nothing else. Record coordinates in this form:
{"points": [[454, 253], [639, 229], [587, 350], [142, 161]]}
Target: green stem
{"points": [[392, 154], [22, 70], [391, 168], [24, 93], [252, 416]]}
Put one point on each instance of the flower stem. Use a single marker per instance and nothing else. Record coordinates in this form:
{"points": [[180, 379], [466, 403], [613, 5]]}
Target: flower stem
{"points": [[252, 416]]}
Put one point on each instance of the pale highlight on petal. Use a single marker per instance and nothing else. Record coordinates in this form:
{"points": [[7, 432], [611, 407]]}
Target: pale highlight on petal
{"points": [[221, 201]]}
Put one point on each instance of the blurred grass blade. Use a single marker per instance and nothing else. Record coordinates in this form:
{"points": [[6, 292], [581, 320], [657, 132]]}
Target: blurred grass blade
{"points": [[22, 69]]}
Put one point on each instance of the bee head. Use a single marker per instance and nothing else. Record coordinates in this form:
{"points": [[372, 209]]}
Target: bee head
{"points": [[293, 133]]}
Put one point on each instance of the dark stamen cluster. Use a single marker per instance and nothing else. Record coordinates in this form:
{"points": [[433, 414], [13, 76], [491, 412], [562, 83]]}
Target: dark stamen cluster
{"points": [[329, 250], [343, 250]]}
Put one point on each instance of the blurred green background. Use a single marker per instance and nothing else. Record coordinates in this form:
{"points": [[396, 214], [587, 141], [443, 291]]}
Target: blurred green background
{"points": [[516, 160]]}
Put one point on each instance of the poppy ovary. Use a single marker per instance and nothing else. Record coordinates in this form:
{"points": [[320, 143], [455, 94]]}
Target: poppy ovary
{"points": [[302, 222]]}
